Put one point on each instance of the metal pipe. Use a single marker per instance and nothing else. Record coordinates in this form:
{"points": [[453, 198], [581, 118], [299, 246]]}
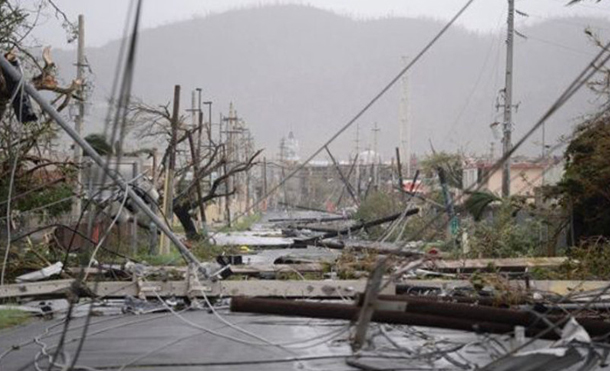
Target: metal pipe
{"points": [[46, 106]]}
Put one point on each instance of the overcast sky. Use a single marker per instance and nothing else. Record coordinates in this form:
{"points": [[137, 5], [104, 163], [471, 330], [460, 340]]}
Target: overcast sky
{"points": [[105, 19]]}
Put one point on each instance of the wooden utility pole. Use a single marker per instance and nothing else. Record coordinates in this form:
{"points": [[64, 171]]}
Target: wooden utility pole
{"points": [[228, 190], [78, 122], [508, 100], [401, 183], [264, 208], [168, 192], [196, 125], [204, 231], [155, 164], [231, 155], [248, 151]]}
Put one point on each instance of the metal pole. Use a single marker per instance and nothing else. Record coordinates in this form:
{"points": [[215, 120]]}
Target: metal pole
{"points": [[264, 208], [228, 189], [197, 184], [508, 100], [134, 225], [46, 106], [168, 197], [78, 122], [155, 172], [200, 124]]}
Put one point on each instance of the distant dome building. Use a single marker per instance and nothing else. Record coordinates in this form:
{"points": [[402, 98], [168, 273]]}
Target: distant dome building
{"points": [[289, 149], [369, 157]]}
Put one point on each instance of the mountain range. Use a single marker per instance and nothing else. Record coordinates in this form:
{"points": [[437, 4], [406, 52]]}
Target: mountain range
{"points": [[301, 69]]}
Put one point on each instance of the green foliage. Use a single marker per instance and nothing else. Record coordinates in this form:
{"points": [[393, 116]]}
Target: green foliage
{"points": [[429, 225], [504, 237], [99, 143], [48, 196], [451, 163], [477, 203], [245, 223], [590, 260], [42, 197], [584, 188], [172, 259], [242, 224], [377, 205], [206, 251], [12, 22], [12, 317]]}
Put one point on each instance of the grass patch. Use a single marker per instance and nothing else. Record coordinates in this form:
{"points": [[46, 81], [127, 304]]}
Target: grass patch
{"points": [[12, 317], [174, 258], [206, 251], [243, 224]]}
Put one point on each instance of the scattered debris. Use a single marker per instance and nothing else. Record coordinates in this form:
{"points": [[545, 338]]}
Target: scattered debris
{"points": [[47, 272]]}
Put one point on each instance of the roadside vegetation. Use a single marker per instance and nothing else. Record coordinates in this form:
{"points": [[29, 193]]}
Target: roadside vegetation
{"points": [[12, 317]]}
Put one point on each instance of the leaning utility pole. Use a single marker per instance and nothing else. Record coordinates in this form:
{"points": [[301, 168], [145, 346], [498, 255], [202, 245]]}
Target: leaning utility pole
{"points": [[508, 100], [78, 122], [168, 192]]}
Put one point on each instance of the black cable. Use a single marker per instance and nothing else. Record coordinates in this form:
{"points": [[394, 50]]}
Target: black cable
{"points": [[126, 93]]}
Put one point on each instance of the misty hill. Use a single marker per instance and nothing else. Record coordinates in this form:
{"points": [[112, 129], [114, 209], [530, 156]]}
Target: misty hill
{"points": [[308, 70]]}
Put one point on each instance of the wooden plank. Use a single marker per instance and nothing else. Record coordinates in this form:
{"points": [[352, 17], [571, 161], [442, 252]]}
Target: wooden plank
{"points": [[293, 289], [303, 289], [252, 269], [245, 269], [511, 263], [288, 288], [34, 288]]}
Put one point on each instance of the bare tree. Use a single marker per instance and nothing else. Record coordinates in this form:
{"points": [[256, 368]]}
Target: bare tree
{"points": [[154, 122]]}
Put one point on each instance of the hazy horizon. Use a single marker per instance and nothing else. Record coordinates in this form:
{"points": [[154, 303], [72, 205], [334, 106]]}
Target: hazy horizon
{"points": [[105, 21]]}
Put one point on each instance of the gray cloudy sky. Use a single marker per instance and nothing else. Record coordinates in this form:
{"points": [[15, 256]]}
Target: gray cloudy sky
{"points": [[105, 18]]}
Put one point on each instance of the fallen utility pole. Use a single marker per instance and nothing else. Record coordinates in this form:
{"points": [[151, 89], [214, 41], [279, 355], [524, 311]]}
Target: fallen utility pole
{"points": [[489, 314], [308, 208], [382, 248], [365, 225], [394, 313], [308, 220], [47, 107]]}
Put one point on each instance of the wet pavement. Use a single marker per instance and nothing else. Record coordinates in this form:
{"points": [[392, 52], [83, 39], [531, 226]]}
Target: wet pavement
{"points": [[196, 340]]}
